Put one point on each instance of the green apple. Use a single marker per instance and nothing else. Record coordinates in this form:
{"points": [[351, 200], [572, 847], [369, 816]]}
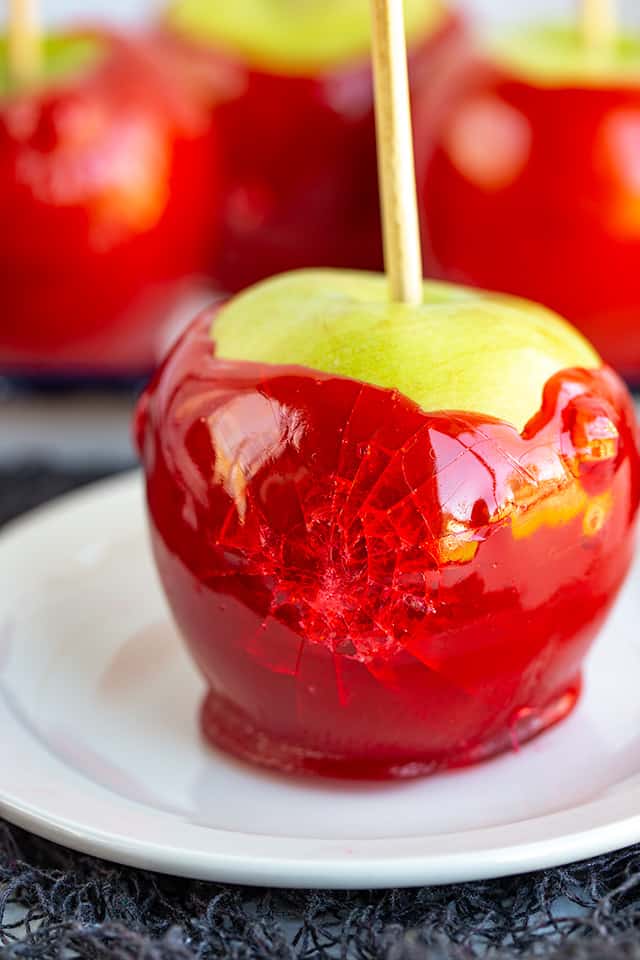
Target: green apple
{"points": [[62, 57], [293, 36], [555, 56], [459, 350]]}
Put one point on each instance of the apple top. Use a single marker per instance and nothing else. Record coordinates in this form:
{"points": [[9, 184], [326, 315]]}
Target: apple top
{"points": [[459, 350], [294, 36], [557, 56], [63, 57]]}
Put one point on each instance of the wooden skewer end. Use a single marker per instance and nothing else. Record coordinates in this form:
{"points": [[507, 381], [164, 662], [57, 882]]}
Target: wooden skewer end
{"points": [[403, 258], [599, 23], [24, 43]]}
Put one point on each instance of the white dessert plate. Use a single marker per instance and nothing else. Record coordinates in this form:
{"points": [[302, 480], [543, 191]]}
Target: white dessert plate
{"points": [[101, 750]]}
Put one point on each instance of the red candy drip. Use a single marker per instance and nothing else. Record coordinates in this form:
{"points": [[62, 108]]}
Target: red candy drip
{"points": [[372, 590]]}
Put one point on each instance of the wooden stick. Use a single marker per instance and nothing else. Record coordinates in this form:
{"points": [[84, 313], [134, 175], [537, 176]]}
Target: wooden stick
{"points": [[599, 23], [402, 254], [24, 36]]}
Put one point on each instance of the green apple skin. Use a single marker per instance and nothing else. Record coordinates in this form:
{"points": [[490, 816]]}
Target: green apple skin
{"points": [[555, 55], [294, 36], [63, 58], [461, 349]]}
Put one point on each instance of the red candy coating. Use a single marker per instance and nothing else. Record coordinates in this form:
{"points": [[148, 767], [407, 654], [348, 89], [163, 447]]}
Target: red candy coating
{"points": [[300, 157], [534, 190], [109, 187], [372, 590]]}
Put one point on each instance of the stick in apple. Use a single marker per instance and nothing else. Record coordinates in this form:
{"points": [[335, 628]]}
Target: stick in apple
{"points": [[24, 37], [599, 23], [403, 259]]}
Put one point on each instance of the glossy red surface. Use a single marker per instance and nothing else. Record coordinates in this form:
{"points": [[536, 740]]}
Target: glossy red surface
{"points": [[300, 155], [372, 590], [535, 191], [109, 195]]}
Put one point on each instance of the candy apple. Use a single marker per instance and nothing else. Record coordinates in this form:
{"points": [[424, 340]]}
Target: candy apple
{"points": [[538, 154], [108, 186], [388, 533], [299, 135]]}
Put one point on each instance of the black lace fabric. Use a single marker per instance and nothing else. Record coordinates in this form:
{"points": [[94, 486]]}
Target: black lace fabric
{"points": [[58, 904]]}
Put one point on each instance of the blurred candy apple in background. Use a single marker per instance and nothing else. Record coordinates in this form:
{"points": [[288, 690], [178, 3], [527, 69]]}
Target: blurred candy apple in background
{"points": [[538, 158], [299, 138], [109, 198]]}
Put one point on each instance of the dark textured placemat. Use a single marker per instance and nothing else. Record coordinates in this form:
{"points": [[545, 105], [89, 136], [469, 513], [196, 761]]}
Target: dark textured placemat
{"points": [[25, 487], [58, 904]]}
